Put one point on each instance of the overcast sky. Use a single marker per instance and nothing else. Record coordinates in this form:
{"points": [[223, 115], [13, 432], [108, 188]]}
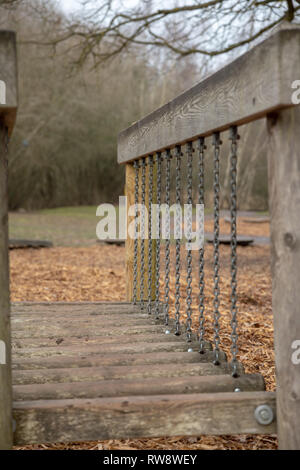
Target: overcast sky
{"points": [[69, 5]]}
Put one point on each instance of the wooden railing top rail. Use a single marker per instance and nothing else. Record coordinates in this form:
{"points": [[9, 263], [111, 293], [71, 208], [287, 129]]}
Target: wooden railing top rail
{"points": [[8, 79], [254, 85]]}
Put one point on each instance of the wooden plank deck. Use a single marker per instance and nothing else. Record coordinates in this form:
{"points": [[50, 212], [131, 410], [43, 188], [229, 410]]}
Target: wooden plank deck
{"points": [[88, 371]]}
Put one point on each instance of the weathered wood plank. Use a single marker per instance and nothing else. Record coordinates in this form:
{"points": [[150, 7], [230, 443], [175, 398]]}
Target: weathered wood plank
{"points": [[53, 330], [63, 362], [80, 374], [118, 388], [247, 89], [90, 340], [19, 324], [284, 204], [128, 417], [74, 308], [114, 348]]}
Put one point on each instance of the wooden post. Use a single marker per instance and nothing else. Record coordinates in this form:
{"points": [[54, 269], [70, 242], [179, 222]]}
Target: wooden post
{"points": [[5, 359], [129, 243], [8, 106], [284, 204]]}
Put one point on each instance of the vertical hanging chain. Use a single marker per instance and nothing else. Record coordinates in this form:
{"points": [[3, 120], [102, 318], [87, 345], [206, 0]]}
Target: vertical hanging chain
{"points": [[201, 148], [150, 200], [216, 143], [167, 265], [143, 200], [158, 224], [233, 210], [135, 257], [189, 237], [178, 242]]}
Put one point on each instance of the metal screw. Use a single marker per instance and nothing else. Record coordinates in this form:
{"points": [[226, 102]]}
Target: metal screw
{"points": [[237, 389], [190, 350], [264, 414], [167, 332]]}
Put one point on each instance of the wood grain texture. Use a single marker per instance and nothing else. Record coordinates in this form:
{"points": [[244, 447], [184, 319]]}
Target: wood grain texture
{"points": [[284, 204], [5, 368], [125, 387], [84, 350], [44, 309], [247, 89], [85, 340], [63, 362], [80, 374], [129, 417]]}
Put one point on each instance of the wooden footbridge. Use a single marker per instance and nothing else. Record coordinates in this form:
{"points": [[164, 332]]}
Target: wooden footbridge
{"points": [[88, 371]]}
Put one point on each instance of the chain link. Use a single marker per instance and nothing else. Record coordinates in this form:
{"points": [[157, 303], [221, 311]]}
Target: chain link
{"points": [[143, 200], [216, 143], [158, 230], [201, 148], [178, 244], [135, 257], [150, 200], [189, 239], [233, 211], [167, 265]]}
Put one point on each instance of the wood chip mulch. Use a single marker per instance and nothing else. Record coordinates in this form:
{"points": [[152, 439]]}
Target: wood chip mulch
{"points": [[97, 272]]}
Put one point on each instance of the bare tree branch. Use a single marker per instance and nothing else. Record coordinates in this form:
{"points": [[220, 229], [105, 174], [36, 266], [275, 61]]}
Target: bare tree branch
{"points": [[207, 28]]}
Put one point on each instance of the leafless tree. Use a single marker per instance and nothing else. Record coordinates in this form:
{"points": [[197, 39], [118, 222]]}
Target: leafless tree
{"points": [[212, 28]]}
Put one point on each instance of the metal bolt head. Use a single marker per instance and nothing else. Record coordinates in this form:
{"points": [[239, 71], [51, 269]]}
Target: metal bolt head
{"points": [[190, 350], [167, 332], [237, 389], [264, 414]]}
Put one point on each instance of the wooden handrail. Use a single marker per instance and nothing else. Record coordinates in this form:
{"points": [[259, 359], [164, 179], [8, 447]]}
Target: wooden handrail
{"points": [[254, 85]]}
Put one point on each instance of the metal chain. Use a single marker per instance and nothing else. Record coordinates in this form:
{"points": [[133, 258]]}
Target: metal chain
{"points": [[150, 200], [178, 244], [201, 148], [135, 257], [189, 236], [233, 209], [216, 143], [158, 224], [142, 279], [167, 265]]}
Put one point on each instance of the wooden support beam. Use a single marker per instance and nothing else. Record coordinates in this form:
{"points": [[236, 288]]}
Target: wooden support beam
{"points": [[129, 417], [129, 243], [64, 362], [247, 89], [5, 347], [80, 374], [120, 388], [8, 106], [284, 204]]}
